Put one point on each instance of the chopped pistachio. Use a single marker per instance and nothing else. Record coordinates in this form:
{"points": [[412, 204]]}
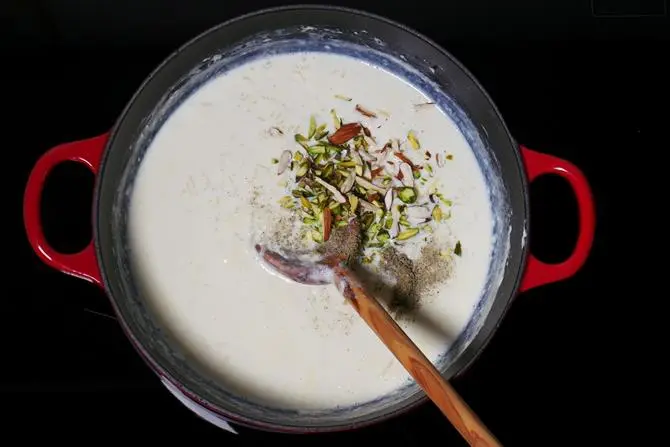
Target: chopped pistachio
{"points": [[332, 148], [382, 236], [316, 149], [413, 141], [343, 98], [407, 195], [286, 202], [337, 121], [367, 220], [302, 140], [305, 203], [274, 161], [458, 249], [302, 169], [407, 234], [443, 200], [320, 132], [316, 236], [343, 176], [437, 213], [353, 202], [328, 171]]}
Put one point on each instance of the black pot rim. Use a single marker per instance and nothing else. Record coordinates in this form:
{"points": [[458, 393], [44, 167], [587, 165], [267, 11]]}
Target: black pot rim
{"points": [[466, 358]]}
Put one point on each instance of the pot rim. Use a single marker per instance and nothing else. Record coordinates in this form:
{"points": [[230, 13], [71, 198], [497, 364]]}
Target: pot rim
{"points": [[460, 364]]}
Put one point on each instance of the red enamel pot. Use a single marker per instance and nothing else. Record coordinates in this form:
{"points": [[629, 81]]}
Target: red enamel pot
{"points": [[114, 157]]}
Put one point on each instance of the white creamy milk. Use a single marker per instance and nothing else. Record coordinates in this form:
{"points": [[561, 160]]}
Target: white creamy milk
{"points": [[206, 190]]}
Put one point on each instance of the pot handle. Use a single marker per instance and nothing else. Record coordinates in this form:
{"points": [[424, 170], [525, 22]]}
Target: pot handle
{"points": [[537, 272], [84, 264]]}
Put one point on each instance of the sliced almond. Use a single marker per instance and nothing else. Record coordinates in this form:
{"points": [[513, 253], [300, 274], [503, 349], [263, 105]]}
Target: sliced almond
{"points": [[388, 199], [367, 173], [381, 157], [407, 175], [404, 158], [372, 143], [367, 206], [345, 133], [368, 185], [395, 215], [357, 158], [367, 156], [337, 195], [392, 168], [363, 111], [284, 161], [379, 181], [326, 223], [439, 158], [348, 183]]}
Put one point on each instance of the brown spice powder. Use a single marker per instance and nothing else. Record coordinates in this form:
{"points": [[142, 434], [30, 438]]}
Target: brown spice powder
{"points": [[401, 268], [414, 279], [344, 243]]}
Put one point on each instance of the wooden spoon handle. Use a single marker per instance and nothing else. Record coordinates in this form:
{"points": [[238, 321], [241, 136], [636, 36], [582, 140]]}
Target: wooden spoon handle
{"points": [[414, 361]]}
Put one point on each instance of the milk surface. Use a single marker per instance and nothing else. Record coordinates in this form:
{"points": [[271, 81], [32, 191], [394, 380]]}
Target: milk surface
{"points": [[206, 190]]}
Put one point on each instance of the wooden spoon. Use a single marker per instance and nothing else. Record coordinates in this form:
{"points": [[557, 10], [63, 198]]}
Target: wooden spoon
{"points": [[415, 362], [396, 340]]}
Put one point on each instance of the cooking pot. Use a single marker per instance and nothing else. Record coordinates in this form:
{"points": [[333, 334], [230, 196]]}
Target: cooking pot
{"points": [[114, 157]]}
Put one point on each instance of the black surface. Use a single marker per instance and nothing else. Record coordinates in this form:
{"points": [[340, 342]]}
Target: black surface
{"points": [[590, 89]]}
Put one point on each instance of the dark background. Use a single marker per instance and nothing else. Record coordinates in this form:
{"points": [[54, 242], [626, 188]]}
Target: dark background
{"points": [[584, 80]]}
